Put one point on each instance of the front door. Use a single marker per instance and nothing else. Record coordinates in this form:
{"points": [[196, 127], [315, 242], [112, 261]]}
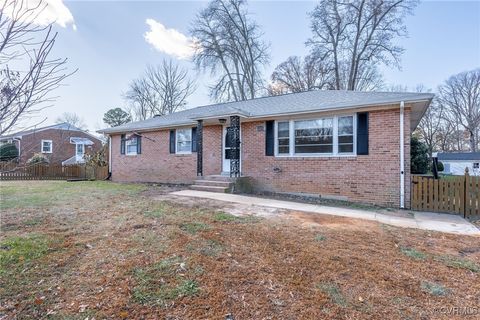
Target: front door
{"points": [[79, 151], [226, 146], [226, 151]]}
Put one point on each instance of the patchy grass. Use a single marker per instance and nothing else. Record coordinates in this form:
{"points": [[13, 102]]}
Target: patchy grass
{"points": [[124, 251], [333, 291], [161, 209], [194, 227], [224, 217], [48, 193], [460, 263], [19, 252], [211, 248], [435, 289], [161, 282], [414, 253]]}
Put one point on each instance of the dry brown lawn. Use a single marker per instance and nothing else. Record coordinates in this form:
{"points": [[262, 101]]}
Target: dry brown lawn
{"points": [[101, 250]]}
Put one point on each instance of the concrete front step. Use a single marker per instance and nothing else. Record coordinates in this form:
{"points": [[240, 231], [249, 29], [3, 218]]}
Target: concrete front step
{"points": [[218, 177], [214, 183], [209, 188]]}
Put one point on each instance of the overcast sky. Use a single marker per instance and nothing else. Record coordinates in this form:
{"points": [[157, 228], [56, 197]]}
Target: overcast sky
{"points": [[111, 42]]}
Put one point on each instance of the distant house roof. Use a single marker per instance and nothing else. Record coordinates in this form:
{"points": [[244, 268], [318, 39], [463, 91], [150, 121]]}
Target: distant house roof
{"points": [[458, 156], [85, 141], [294, 103], [58, 126]]}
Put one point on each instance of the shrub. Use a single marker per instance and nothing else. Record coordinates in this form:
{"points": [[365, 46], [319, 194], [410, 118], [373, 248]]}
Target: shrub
{"points": [[419, 156], [38, 158], [440, 166], [8, 152], [99, 158]]}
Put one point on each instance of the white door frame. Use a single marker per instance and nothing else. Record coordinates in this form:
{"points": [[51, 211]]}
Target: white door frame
{"points": [[226, 162], [78, 156]]}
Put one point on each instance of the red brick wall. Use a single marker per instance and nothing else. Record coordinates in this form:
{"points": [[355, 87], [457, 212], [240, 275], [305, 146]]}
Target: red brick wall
{"points": [[373, 178], [157, 164], [62, 148]]}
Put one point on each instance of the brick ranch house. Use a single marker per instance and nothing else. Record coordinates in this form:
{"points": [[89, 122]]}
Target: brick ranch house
{"points": [[61, 143], [345, 145]]}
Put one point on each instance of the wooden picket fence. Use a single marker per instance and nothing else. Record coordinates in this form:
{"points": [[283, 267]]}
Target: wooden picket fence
{"points": [[52, 172], [455, 194]]}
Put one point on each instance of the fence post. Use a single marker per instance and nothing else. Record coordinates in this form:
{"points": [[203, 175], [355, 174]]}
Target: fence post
{"points": [[466, 192]]}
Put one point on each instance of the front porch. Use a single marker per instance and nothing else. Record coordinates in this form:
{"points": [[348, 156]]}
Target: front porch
{"points": [[231, 148]]}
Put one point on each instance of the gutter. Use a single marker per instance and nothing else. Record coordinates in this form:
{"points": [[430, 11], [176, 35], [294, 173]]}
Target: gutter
{"points": [[402, 156]]}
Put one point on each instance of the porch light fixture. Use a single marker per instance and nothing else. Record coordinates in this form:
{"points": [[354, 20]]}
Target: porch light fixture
{"points": [[222, 121]]}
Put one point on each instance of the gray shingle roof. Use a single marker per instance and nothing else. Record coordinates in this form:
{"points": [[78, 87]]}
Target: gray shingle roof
{"points": [[59, 126], [303, 102], [458, 156]]}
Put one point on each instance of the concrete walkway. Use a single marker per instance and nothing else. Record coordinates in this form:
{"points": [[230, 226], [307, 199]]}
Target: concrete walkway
{"points": [[448, 223]]}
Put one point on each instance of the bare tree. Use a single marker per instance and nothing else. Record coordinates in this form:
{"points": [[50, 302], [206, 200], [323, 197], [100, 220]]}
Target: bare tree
{"points": [[297, 75], [161, 90], [72, 119], [356, 35], [229, 45], [460, 95], [27, 73], [430, 126], [141, 99]]}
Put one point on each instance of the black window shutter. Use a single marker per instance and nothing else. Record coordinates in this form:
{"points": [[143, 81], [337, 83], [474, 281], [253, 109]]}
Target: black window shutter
{"points": [[269, 138], [122, 144], [139, 144], [194, 139], [362, 133], [172, 141]]}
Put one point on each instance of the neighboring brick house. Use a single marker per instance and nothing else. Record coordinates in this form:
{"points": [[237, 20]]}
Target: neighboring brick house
{"points": [[333, 144], [61, 143]]}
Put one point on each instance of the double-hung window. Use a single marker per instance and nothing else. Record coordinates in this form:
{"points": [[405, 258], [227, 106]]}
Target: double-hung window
{"points": [[332, 135], [47, 146], [283, 137], [184, 140], [131, 145], [345, 134]]}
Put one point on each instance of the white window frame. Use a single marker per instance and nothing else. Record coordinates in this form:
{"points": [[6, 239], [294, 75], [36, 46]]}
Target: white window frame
{"points": [[176, 141], [335, 152], [51, 146], [129, 142]]}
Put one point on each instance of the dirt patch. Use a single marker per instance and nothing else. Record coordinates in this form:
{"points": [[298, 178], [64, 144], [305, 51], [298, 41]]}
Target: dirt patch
{"points": [[332, 222], [112, 251]]}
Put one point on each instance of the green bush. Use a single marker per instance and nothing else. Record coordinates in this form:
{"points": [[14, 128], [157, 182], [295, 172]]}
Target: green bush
{"points": [[440, 166], [8, 152], [38, 158], [419, 156]]}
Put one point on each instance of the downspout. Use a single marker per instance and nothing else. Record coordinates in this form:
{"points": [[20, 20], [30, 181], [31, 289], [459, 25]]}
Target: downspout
{"points": [[19, 149], [109, 154], [402, 156]]}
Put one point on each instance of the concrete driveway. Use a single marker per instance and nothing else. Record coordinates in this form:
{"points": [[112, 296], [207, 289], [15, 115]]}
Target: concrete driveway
{"points": [[419, 220]]}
